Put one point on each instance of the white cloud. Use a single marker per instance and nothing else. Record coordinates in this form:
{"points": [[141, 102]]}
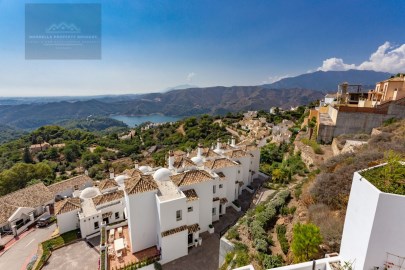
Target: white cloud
{"points": [[335, 64], [386, 58], [190, 76]]}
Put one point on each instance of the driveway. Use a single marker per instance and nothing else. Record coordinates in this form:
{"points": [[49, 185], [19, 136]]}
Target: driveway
{"points": [[22, 251], [75, 256]]}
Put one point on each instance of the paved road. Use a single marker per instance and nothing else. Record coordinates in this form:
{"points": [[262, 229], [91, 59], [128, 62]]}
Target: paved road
{"points": [[21, 252]]}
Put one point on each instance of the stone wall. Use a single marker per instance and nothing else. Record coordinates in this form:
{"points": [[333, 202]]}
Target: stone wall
{"points": [[335, 148]]}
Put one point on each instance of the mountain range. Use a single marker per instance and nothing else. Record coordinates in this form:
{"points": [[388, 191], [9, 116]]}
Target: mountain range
{"points": [[285, 93], [327, 81]]}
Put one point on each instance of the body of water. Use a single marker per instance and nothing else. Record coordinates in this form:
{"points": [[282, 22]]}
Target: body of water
{"points": [[137, 120]]}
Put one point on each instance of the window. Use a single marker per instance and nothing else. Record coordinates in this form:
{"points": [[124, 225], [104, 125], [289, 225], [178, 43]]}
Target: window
{"points": [[214, 211], [190, 209], [96, 225], [178, 215], [214, 188], [117, 215], [220, 185], [238, 171]]}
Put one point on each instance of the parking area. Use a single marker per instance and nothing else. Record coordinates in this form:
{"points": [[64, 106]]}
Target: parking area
{"points": [[79, 255]]}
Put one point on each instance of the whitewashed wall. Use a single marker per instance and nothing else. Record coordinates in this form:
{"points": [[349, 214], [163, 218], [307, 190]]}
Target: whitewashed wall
{"points": [[68, 221]]}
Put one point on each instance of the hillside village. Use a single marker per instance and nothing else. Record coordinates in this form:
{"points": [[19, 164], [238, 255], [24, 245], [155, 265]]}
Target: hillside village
{"points": [[229, 192]]}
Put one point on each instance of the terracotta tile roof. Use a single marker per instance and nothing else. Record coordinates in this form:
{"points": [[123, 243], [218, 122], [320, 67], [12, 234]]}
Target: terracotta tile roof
{"points": [[106, 184], [219, 163], [183, 161], [191, 195], [223, 200], [236, 153], [174, 231], [190, 177], [67, 205], [61, 186], [132, 173], [139, 183], [179, 153], [6, 211], [206, 152], [193, 228], [108, 197], [31, 196], [221, 175]]}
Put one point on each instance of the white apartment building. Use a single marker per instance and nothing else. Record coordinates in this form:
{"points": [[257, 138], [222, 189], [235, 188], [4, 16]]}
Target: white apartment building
{"points": [[88, 208], [165, 207], [170, 207]]}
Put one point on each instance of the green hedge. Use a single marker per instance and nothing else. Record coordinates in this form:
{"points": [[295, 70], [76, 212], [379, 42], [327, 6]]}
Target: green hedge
{"points": [[281, 231]]}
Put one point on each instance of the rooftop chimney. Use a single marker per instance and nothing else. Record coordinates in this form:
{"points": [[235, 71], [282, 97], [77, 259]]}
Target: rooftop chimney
{"points": [[112, 175], [199, 150], [219, 144], [171, 160], [233, 141], [136, 164]]}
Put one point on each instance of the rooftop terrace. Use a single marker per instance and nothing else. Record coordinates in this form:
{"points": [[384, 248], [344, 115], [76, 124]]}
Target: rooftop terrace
{"points": [[389, 178]]}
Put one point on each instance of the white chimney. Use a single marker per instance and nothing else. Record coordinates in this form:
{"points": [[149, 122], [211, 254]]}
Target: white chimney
{"points": [[219, 144], [233, 141], [171, 160], [136, 164], [112, 174], [199, 150], [86, 172]]}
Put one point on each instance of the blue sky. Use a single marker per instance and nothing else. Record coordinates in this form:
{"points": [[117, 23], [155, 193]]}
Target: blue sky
{"points": [[151, 45]]}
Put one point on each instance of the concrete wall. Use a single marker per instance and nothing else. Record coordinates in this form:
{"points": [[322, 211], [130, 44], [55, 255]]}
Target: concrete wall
{"points": [[142, 220], [87, 225], [225, 247], [68, 221], [167, 213], [359, 221], [351, 123], [204, 192], [193, 217], [174, 246], [387, 234]]}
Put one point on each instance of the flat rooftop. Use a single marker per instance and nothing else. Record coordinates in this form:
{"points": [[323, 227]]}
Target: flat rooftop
{"points": [[168, 191]]}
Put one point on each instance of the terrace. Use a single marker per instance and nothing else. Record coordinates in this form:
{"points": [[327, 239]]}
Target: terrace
{"points": [[119, 250], [388, 178]]}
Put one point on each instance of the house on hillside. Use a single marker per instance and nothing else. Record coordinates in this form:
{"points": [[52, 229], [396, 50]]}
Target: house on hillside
{"points": [[21, 208], [391, 89], [35, 148]]}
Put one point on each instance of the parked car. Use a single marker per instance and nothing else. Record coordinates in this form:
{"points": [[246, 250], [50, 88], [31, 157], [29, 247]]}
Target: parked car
{"points": [[44, 220]]}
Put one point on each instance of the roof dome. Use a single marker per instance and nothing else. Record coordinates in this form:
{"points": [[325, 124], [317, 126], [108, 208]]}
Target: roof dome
{"points": [[120, 179], [144, 169], [197, 160], [162, 174], [89, 193]]}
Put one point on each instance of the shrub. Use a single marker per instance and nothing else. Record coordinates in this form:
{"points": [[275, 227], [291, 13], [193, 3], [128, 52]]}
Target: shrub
{"points": [[233, 234], [272, 261], [306, 241], [281, 231], [261, 245]]}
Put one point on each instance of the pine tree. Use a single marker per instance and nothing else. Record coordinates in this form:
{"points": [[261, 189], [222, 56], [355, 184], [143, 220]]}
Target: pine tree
{"points": [[27, 158]]}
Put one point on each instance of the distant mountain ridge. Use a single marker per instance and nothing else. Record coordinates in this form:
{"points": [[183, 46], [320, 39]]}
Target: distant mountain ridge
{"points": [[285, 93], [327, 81], [185, 102]]}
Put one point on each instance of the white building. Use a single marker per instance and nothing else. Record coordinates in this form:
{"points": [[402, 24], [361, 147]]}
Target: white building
{"points": [[170, 207], [374, 232], [89, 207]]}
